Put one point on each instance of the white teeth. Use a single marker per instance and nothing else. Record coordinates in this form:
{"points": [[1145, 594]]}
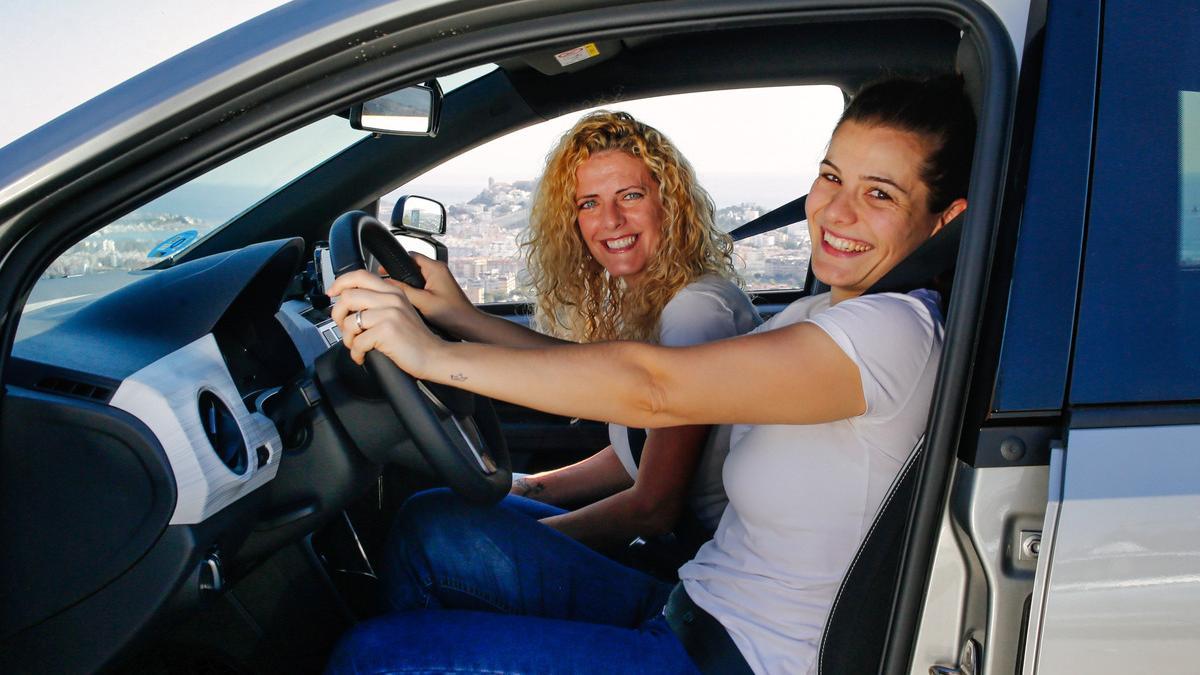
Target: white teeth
{"points": [[847, 245], [623, 242]]}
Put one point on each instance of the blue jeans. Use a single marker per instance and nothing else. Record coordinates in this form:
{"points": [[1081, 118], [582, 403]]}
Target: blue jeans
{"points": [[488, 589]]}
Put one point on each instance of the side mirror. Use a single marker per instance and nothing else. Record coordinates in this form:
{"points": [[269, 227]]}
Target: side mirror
{"points": [[411, 111], [419, 214]]}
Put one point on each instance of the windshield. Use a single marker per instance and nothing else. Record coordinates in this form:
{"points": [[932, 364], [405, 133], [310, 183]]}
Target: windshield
{"points": [[114, 255], [121, 252], [175, 221]]}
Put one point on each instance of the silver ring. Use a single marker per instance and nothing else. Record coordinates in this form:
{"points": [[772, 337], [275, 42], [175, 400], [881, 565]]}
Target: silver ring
{"points": [[358, 320]]}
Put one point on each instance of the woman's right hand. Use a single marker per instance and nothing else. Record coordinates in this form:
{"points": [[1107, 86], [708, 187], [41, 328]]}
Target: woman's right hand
{"points": [[443, 304], [373, 315]]}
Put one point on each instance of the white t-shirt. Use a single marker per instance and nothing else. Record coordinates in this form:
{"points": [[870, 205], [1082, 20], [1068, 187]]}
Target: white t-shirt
{"points": [[710, 308], [801, 497]]}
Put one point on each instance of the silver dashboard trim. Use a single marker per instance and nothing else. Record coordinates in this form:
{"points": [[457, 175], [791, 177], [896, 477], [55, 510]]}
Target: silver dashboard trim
{"points": [[164, 395]]}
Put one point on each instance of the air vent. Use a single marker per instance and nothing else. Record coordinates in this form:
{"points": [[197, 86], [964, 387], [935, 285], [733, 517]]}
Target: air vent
{"points": [[62, 385], [221, 428]]}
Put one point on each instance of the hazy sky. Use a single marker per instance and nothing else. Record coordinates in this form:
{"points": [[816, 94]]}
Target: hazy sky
{"points": [[756, 145], [753, 145], [59, 54]]}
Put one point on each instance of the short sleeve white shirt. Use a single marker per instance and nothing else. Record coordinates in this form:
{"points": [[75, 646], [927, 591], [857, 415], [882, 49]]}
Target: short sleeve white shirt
{"points": [[801, 497], [710, 308]]}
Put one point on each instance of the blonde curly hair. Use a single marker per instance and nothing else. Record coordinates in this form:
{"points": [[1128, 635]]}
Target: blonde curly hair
{"points": [[576, 297]]}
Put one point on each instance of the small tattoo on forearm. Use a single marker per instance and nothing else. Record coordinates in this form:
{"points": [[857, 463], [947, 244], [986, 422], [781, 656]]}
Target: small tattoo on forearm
{"points": [[458, 377], [527, 488]]}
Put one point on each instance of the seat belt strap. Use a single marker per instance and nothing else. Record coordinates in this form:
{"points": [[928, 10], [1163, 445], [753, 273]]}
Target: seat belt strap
{"points": [[791, 212]]}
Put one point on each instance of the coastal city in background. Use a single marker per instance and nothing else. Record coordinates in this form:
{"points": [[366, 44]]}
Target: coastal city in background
{"points": [[483, 236], [487, 191]]}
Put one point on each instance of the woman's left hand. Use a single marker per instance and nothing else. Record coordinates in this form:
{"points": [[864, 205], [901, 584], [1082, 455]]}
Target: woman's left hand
{"points": [[387, 322]]}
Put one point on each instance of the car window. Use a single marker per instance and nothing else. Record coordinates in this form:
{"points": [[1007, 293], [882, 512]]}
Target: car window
{"points": [[453, 81], [753, 150], [1140, 309]]}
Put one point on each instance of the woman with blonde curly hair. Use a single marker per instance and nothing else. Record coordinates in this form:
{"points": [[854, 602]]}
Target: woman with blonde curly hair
{"points": [[575, 298], [621, 245]]}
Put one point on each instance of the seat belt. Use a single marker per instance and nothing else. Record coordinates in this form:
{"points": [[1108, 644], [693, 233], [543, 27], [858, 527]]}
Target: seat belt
{"points": [[791, 212], [933, 258]]}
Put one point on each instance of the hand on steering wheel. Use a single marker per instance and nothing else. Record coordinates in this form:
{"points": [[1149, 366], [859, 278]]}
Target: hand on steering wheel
{"points": [[374, 314], [456, 432], [441, 301]]}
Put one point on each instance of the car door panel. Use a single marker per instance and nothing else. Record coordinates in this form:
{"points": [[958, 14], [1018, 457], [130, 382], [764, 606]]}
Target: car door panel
{"points": [[1116, 587], [1120, 566]]}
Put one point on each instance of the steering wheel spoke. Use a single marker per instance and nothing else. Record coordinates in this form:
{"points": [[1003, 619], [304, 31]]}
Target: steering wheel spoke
{"points": [[462, 430], [469, 434]]}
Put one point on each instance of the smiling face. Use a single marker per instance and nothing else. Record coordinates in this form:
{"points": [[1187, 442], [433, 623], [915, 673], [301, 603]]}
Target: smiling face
{"points": [[619, 211], [869, 207]]}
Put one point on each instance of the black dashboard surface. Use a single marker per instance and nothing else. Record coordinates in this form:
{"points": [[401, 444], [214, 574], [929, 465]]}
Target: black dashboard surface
{"points": [[124, 331]]}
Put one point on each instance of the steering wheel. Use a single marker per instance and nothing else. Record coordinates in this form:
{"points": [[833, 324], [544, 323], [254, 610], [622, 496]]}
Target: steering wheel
{"points": [[456, 432]]}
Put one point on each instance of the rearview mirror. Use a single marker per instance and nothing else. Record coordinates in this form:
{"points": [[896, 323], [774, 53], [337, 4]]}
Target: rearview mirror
{"points": [[419, 214], [411, 111]]}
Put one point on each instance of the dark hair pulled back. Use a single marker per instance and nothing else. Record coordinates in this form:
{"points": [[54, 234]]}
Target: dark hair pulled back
{"points": [[936, 108]]}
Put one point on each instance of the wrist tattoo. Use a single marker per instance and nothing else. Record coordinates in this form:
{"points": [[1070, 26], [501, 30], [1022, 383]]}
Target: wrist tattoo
{"points": [[528, 488], [458, 377]]}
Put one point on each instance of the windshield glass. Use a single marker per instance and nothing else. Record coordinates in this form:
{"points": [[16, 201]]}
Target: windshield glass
{"points": [[176, 220], [114, 255], [121, 252]]}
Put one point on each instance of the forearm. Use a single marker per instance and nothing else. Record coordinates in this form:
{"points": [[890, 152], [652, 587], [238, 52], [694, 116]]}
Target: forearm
{"points": [[596, 477], [793, 375], [611, 523], [611, 381], [653, 504], [478, 326]]}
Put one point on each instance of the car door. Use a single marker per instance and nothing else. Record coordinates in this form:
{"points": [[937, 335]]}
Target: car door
{"points": [[981, 586], [1117, 584]]}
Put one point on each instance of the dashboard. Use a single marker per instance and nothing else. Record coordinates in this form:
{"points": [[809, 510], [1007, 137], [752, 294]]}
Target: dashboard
{"points": [[166, 437], [158, 409], [185, 351]]}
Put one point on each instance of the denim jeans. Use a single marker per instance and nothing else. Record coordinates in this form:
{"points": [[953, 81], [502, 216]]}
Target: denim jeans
{"points": [[488, 589]]}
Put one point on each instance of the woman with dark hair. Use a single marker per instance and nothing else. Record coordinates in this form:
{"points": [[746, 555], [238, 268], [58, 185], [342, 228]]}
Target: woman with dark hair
{"points": [[830, 396]]}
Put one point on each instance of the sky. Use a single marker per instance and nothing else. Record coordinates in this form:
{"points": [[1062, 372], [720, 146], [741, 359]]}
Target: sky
{"points": [[59, 54], [751, 145], [756, 145]]}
